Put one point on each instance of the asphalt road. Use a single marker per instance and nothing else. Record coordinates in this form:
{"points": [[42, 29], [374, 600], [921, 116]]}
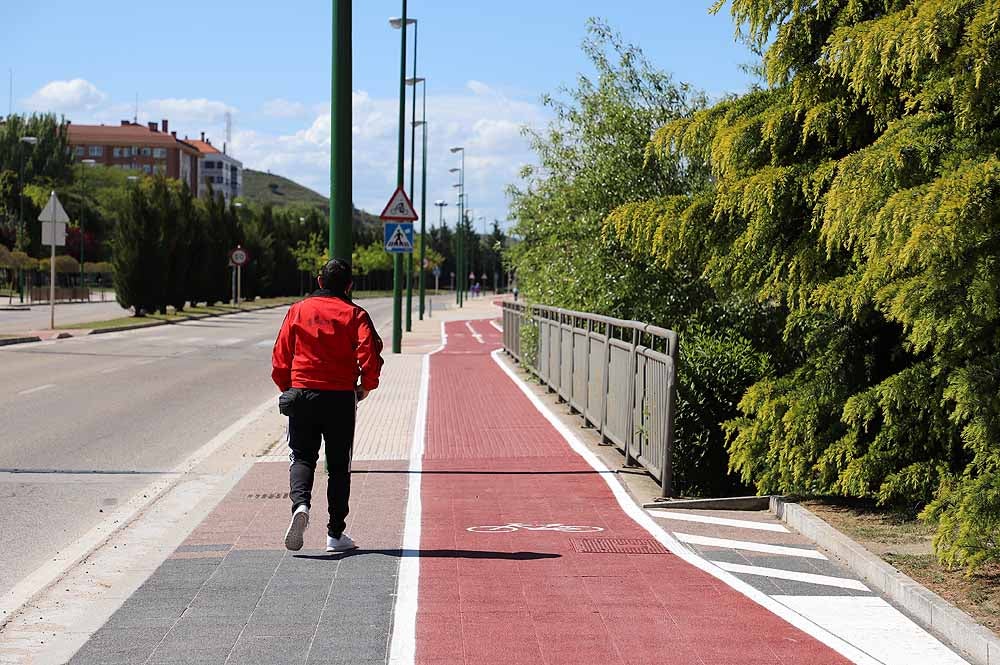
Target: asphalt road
{"points": [[86, 423], [37, 317]]}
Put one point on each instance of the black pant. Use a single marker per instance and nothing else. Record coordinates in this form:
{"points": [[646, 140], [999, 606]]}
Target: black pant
{"points": [[330, 415]]}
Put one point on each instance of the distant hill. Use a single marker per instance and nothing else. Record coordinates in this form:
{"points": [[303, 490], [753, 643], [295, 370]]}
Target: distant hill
{"points": [[268, 188], [264, 188]]}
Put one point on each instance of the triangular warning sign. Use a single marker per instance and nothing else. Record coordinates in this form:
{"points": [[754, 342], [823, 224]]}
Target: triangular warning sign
{"points": [[399, 241], [399, 208]]}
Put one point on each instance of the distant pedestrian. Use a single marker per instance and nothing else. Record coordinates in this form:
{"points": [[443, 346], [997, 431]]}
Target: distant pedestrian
{"points": [[515, 294], [327, 358], [476, 290]]}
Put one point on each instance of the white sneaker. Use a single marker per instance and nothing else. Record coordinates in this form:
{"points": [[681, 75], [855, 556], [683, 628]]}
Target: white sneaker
{"points": [[342, 544], [300, 520]]}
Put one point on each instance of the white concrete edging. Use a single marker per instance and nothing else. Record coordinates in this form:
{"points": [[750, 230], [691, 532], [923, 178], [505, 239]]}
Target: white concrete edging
{"points": [[933, 611]]}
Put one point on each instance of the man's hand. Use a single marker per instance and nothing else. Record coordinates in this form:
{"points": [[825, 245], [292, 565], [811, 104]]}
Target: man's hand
{"points": [[361, 393]]}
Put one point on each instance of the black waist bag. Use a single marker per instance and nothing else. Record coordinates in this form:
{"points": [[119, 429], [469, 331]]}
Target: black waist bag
{"points": [[287, 401]]}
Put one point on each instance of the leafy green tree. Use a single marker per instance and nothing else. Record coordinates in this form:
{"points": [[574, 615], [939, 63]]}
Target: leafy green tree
{"points": [[856, 196], [593, 159]]}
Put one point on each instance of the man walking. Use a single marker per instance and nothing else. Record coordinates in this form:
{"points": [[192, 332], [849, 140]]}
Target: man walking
{"points": [[327, 358]]}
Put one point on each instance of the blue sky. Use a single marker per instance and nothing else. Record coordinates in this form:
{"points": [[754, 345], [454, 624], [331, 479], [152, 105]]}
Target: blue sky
{"points": [[487, 64]]}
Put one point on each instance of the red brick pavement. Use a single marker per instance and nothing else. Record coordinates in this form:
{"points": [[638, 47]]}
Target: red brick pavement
{"points": [[530, 596]]}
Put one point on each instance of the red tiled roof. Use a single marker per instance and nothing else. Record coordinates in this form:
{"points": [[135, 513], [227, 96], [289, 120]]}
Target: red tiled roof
{"points": [[129, 134], [204, 147]]}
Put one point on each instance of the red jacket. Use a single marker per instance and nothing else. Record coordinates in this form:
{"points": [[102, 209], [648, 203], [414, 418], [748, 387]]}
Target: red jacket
{"points": [[327, 343]]}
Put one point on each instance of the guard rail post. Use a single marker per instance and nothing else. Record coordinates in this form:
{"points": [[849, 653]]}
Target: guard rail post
{"points": [[630, 400]]}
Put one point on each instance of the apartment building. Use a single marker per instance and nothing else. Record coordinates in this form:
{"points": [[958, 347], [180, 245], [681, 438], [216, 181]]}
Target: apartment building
{"points": [[149, 149], [220, 172]]}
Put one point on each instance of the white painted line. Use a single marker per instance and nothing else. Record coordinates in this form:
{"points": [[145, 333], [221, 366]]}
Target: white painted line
{"points": [[403, 645], [749, 546], [112, 370], [477, 336], [876, 627], [643, 519], [148, 362], [191, 340], [721, 521], [496, 325], [265, 343], [778, 573], [37, 389], [229, 342]]}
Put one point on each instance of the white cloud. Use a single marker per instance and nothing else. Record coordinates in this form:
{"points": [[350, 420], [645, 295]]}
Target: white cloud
{"points": [[485, 122], [66, 97], [187, 111], [282, 108], [479, 88]]}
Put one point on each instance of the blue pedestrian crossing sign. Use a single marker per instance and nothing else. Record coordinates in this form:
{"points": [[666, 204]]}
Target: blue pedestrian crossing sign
{"points": [[398, 237]]}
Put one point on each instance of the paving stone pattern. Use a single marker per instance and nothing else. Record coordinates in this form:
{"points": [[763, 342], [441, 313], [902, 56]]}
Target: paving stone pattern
{"points": [[232, 594]]}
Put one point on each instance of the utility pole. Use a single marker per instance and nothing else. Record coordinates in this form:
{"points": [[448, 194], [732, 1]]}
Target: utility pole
{"points": [[423, 210], [413, 166], [397, 259], [341, 242]]}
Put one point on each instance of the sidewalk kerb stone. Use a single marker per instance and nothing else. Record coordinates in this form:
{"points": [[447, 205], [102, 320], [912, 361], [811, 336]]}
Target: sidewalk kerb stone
{"points": [[938, 615]]}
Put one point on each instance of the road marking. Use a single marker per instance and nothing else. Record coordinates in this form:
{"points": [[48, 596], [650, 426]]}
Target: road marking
{"points": [[112, 370], [148, 362], [265, 343], [477, 336], [37, 389], [778, 573], [403, 644], [721, 521], [229, 342], [748, 546], [497, 326], [876, 627], [191, 340], [518, 526], [625, 501]]}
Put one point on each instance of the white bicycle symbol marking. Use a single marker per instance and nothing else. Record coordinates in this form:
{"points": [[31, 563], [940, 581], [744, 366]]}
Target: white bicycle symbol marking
{"points": [[518, 526]]}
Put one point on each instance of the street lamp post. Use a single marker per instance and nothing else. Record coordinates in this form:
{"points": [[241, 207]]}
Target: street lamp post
{"points": [[398, 24], [441, 205], [341, 238], [22, 242], [459, 248], [88, 164], [422, 123], [461, 229], [397, 259]]}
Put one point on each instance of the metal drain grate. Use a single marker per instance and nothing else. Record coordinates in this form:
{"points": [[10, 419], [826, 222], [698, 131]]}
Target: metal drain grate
{"points": [[619, 546], [273, 495]]}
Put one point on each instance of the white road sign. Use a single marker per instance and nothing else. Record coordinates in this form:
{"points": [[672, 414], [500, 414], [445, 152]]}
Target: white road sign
{"points": [[53, 219]]}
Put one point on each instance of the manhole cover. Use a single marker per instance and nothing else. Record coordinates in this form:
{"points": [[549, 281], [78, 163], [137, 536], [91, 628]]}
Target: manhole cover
{"points": [[619, 546]]}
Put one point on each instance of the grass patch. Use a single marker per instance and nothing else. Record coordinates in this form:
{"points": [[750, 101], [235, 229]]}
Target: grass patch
{"points": [[904, 541], [172, 316]]}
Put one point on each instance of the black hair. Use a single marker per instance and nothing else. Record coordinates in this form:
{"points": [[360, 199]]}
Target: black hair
{"points": [[336, 276]]}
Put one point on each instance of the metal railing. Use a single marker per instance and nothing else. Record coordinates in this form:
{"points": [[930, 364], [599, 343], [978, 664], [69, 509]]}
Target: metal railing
{"points": [[620, 376]]}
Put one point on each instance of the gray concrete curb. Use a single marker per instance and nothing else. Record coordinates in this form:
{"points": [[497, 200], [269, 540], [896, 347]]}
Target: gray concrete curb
{"points": [[724, 503], [19, 340], [138, 326], [944, 619]]}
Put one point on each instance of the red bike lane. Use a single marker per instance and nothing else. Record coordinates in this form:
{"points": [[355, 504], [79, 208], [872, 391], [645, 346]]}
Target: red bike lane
{"points": [[564, 575]]}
